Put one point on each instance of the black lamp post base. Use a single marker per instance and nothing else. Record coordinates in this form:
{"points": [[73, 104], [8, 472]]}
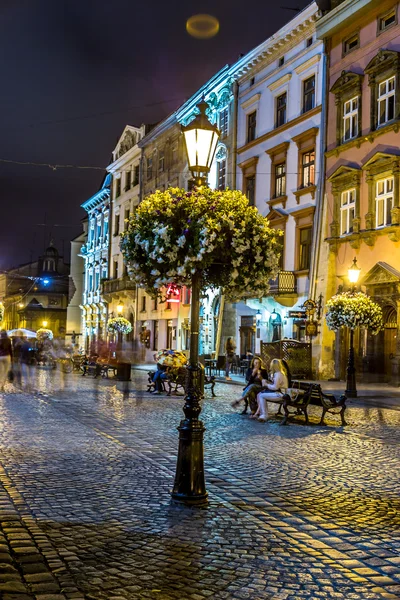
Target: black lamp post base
{"points": [[351, 393], [190, 486]]}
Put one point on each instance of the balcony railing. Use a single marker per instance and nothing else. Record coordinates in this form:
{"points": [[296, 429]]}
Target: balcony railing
{"points": [[117, 285], [285, 283]]}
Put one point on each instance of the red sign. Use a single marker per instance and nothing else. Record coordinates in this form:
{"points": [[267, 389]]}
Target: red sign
{"points": [[173, 293]]}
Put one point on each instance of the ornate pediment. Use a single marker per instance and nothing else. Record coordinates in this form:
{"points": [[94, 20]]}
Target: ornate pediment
{"points": [[344, 171], [381, 273], [385, 59], [345, 176], [348, 81], [380, 159], [277, 217]]}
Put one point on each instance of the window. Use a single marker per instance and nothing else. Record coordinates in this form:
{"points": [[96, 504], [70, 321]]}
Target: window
{"points": [[386, 98], [309, 42], [347, 211], [384, 201], [116, 224], [351, 43], [115, 269], [350, 119], [252, 81], [223, 122], [387, 20], [251, 126], [155, 304], [118, 187], [281, 109], [221, 173], [161, 162], [251, 188], [136, 175], [305, 236], [149, 168], [143, 303], [309, 93], [281, 61], [128, 178], [105, 227], [308, 168], [280, 180]]}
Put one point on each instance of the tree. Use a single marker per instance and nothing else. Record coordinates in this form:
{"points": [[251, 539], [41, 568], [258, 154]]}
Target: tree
{"points": [[354, 310], [215, 234]]}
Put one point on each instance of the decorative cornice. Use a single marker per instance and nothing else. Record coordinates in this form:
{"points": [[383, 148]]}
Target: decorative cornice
{"points": [[362, 139], [279, 82], [279, 149], [310, 189], [278, 130], [249, 163], [305, 135]]}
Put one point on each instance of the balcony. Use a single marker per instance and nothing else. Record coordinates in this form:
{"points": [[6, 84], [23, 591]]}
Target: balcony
{"points": [[117, 285], [284, 284]]}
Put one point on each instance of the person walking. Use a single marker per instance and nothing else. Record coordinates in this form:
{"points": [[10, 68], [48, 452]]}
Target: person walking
{"points": [[230, 350], [6, 355], [273, 390]]}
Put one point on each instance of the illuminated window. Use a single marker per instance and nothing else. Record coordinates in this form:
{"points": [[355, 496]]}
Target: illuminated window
{"points": [[384, 201], [350, 119], [251, 126], [347, 211], [386, 99], [308, 168], [309, 93], [281, 109], [280, 180]]}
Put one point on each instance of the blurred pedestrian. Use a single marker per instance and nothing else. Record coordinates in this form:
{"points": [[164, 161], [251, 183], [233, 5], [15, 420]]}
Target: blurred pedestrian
{"points": [[6, 355], [27, 368], [230, 350]]}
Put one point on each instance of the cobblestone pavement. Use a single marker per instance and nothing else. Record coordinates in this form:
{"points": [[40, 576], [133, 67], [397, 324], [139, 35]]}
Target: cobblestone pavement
{"points": [[295, 512]]}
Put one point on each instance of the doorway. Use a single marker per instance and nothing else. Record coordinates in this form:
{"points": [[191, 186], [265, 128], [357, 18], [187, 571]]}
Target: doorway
{"points": [[389, 338]]}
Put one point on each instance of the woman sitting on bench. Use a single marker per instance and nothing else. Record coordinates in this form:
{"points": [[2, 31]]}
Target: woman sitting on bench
{"points": [[254, 377], [273, 390]]}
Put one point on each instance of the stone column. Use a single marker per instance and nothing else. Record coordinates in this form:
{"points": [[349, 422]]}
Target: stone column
{"points": [[395, 213], [370, 216]]}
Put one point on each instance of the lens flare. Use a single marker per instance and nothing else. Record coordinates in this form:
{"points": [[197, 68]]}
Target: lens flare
{"points": [[202, 27]]}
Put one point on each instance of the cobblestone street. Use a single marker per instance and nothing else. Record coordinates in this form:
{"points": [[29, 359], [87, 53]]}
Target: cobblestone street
{"points": [[295, 512]]}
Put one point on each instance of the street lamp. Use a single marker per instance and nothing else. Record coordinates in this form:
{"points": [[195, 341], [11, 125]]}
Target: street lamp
{"points": [[120, 308], [351, 388], [201, 139], [44, 323]]}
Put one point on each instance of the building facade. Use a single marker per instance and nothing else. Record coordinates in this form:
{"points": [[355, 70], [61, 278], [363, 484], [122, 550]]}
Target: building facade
{"points": [[95, 253], [362, 208], [35, 294], [280, 167], [118, 290]]}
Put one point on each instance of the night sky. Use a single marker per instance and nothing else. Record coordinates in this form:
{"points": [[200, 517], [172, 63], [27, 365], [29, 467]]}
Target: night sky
{"points": [[74, 73]]}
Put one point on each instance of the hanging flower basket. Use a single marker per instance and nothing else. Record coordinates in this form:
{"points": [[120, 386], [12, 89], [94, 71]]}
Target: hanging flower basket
{"points": [[175, 233], [119, 325], [354, 310], [1, 311], [44, 334]]}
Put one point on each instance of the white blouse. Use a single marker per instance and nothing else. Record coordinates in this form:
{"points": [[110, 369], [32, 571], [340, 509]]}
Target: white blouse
{"points": [[280, 382]]}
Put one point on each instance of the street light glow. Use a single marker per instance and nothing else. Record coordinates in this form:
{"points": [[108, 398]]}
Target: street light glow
{"points": [[354, 272], [120, 308]]}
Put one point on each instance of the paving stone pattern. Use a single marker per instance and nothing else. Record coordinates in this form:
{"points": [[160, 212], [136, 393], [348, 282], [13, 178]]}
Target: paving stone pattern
{"points": [[295, 512]]}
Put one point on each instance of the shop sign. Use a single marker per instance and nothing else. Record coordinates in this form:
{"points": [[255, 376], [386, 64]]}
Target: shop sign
{"points": [[297, 314]]}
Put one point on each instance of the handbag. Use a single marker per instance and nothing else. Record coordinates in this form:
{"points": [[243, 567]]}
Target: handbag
{"points": [[294, 393]]}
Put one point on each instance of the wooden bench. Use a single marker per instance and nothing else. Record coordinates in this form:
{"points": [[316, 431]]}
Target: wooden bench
{"points": [[176, 382], [312, 394]]}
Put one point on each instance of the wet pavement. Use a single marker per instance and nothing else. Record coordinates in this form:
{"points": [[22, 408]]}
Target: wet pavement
{"points": [[295, 512]]}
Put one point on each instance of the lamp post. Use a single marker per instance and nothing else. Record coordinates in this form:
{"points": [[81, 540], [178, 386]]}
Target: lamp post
{"points": [[351, 388], [201, 139]]}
